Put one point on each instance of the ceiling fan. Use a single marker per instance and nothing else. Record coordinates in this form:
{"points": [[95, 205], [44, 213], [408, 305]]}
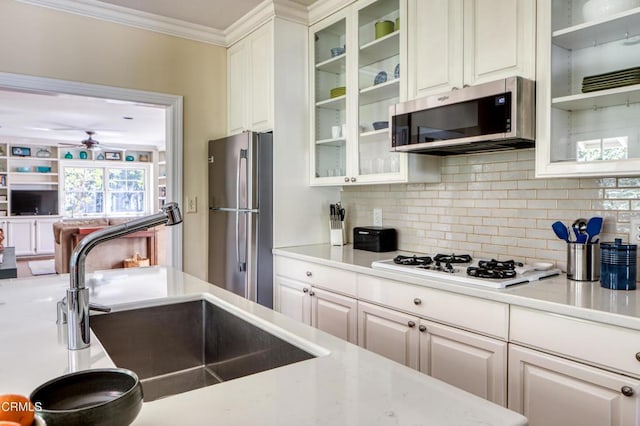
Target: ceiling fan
{"points": [[91, 144]]}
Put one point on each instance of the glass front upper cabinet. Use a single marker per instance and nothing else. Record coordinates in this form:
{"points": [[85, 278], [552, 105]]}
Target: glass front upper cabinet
{"points": [[588, 89], [378, 86], [330, 87]]}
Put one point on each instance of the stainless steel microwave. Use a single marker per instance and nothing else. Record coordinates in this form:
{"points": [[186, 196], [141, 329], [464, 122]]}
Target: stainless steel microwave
{"points": [[487, 117]]}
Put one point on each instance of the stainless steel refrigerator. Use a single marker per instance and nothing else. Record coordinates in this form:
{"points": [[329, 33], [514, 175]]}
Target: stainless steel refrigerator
{"points": [[241, 215]]}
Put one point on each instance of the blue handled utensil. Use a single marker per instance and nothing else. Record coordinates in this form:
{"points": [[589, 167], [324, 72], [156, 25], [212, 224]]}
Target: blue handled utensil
{"points": [[560, 230], [594, 226]]}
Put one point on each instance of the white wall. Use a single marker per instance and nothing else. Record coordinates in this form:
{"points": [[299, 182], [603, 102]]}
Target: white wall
{"points": [[42, 42]]}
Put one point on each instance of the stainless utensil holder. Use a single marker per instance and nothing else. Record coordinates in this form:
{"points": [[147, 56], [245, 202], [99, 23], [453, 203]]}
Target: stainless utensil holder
{"points": [[583, 262]]}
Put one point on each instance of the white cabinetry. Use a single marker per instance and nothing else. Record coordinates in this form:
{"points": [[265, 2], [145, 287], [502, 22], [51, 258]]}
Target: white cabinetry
{"points": [[389, 333], [30, 236], [469, 361], [402, 322], [353, 88], [44, 240], [250, 82], [552, 391], [454, 43], [21, 234], [413, 333], [585, 380], [587, 130], [299, 296]]}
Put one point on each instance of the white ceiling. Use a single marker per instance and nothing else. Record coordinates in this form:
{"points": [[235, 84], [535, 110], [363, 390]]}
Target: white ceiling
{"points": [[65, 118], [216, 14]]}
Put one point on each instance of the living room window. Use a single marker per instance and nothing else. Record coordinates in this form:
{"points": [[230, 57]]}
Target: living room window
{"points": [[105, 191]]}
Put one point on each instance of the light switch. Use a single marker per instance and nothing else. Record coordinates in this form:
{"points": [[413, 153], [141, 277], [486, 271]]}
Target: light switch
{"points": [[192, 204]]}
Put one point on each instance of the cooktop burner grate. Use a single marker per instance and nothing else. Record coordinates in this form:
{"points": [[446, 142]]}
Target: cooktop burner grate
{"points": [[412, 260], [452, 258], [480, 272], [499, 265]]}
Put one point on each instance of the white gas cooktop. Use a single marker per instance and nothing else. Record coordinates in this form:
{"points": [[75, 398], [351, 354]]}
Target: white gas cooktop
{"points": [[524, 274]]}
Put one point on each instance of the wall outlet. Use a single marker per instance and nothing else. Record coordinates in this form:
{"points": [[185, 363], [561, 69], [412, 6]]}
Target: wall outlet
{"points": [[634, 231], [377, 217], [192, 204]]}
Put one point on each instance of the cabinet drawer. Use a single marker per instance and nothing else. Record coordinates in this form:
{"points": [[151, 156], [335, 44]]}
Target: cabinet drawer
{"points": [[614, 348], [470, 313], [321, 276]]}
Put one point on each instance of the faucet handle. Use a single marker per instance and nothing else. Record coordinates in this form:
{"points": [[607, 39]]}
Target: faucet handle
{"points": [[62, 311]]}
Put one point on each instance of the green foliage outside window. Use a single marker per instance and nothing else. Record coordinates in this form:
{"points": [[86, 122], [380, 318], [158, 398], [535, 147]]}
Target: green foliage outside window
{"points": [[100, 191]]}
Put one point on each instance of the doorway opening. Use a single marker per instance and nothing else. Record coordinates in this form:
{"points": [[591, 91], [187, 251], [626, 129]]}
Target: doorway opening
{"points": [[164, 165]]}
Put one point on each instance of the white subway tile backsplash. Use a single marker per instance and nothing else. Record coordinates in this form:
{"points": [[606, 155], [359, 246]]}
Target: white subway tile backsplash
{"points": [[491, 205]]}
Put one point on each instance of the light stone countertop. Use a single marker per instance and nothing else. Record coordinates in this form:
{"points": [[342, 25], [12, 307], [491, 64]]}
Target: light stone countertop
{"points": [[345, 385], [559, 295]]}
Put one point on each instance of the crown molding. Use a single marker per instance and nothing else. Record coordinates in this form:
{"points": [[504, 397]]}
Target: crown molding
{"points": [[262, 13], [321, 9], [135, 18]]}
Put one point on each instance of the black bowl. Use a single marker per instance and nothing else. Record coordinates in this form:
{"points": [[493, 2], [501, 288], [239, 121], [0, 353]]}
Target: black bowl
{"points": [[101, 397], [378, 125]]}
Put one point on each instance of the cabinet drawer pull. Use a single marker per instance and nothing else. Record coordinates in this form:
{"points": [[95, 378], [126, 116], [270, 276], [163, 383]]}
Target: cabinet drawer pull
{"points": [[422, 328], [627, 391], [353, 179], [346, 179], [638, 356], [417, 301], [305, 290], [308, 273], [411, 324], [311, 293]]}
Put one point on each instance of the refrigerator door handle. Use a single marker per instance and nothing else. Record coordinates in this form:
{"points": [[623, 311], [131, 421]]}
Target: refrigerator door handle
{"points": [[242, 265]]}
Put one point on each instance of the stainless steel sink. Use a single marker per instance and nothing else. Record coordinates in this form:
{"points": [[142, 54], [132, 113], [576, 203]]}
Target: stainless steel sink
{"points": [[183, 346]]}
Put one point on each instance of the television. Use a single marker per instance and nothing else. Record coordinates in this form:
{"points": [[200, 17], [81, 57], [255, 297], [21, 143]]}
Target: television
{"points": [[33, 202]]}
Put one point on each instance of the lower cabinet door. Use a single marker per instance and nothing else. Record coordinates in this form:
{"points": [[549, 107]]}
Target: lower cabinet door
{"points": [[335, 314], [45, 242], [469, 361], [389, 333], [553, 391], [22, 236], [292, 299]]}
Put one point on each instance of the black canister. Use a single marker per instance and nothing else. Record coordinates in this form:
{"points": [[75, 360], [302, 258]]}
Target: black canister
{"points": [[618, 265]]}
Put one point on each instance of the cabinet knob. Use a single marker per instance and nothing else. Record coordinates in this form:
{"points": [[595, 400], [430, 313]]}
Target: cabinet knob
{"points": [[346, 179], [305, 290], [353, 179], [422, 328], [638, 356], [627, 391], [308, 273], [417, 301], [311, 293], [411, 324]]}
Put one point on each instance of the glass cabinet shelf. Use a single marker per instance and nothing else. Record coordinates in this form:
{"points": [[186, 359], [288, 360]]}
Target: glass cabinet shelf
{"points": [[620, 26], [380, 49], [331, 142], [379, 92], [600, 99], [335, 65], [336, 103]]}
